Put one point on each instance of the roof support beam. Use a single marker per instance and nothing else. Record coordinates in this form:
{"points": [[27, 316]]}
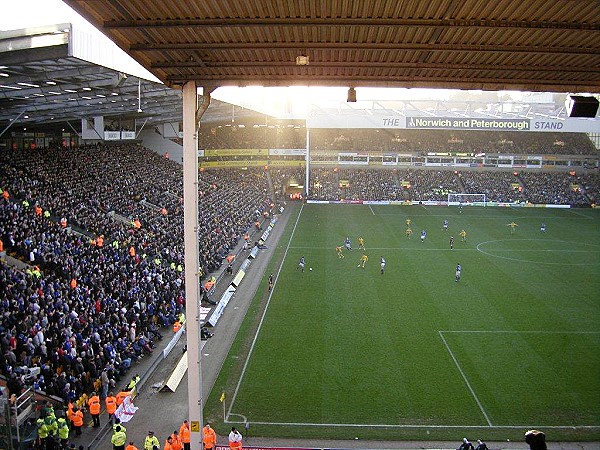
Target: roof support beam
{"points": [[486, 84], [348, 21], [306, 46], [383, 65]]}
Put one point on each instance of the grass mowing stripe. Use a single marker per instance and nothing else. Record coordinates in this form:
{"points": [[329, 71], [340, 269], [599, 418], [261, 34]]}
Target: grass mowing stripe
{"points": [[346, 349], [235, 393], [420, 427], [519, 332], [466, 380]]}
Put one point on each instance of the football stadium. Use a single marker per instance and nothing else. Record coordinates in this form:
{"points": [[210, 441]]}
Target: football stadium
{"points": [[300, 225]]}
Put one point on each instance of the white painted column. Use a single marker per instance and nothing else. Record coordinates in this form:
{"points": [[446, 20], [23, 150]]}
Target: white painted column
{"points": [[192, 265], [306, 185]]}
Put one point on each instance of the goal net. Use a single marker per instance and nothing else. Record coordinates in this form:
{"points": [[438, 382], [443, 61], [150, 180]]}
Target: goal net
{"points": [[467, 199]]}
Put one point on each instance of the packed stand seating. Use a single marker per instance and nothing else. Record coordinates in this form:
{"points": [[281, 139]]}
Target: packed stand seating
{"points": [[279, 134], [324, 184], [94, 297], [431, 185], [365, 184], [377, 184], [231, 201], [281, 178], [448, 141], [591, 187], [557, 188], [498, 186]]}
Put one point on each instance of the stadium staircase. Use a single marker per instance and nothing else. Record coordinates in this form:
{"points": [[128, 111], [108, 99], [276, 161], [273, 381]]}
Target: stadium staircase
{"points": [[521, 182], [119, 217], [270, 183], [463, 189], [149, 205], [17, 419]]}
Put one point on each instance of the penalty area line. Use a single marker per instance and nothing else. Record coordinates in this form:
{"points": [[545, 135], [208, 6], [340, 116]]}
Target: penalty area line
{"points": [[417, 426], [392, 248], [464, 376]]}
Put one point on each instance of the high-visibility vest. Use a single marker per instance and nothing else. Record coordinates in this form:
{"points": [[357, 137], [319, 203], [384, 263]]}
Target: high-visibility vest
{"points": [[94, 405], [185, 434], [70, 412], [176, 443], [63, 429], [133, 382], [121, 396], [209, 437], [78, 418], [150, 442], [235, 441], [111, 404], [118, 438]]}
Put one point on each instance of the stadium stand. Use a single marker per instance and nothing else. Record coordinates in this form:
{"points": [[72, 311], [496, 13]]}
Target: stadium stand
{"points": [[90, 294]]}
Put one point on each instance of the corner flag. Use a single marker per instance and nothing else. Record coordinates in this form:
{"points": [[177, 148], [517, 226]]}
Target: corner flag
{"points": [[222, 399]]}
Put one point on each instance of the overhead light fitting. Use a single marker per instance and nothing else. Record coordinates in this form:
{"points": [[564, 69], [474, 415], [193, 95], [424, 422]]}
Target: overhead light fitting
{"points": [[302, 60], [351, 95]]}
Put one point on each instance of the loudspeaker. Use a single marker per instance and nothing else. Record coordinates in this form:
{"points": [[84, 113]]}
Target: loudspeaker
{"points": [[581, 106], [351, 95]]}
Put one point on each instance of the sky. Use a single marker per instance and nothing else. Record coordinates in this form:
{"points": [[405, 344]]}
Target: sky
{"points": [[290, 102]]}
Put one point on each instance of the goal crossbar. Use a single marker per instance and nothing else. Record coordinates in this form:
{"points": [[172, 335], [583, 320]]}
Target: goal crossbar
{"points": [[455, 199]]}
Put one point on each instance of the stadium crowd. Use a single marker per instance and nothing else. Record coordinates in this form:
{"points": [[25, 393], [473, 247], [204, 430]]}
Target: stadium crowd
{"points": [[500, 186], [250, 135], [101, 231], [451, 141], [285, 134], [435, 185]]}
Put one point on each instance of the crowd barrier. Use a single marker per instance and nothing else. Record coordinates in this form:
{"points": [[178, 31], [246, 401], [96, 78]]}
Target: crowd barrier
{"points": [[434, 203], [237, 279]]}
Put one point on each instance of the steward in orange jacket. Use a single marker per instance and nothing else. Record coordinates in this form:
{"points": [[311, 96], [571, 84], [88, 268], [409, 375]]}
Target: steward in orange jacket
{"points": [[185, 435], [121, 396], [111, 405], [94, 408], [209, 437], [77, 420]]}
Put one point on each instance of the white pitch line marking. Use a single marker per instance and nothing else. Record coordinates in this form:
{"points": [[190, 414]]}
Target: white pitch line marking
{"points": [[237, 388], [466, 380], [363, 425]]}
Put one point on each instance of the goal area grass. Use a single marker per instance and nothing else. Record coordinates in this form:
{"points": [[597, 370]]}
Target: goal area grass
{"points": [[345, 352]]}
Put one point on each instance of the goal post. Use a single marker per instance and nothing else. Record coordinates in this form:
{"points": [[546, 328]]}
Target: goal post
{"points": [[455, 199]]}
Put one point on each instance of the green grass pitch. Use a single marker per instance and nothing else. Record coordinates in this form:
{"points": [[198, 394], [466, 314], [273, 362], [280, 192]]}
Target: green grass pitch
{"points": [[343, 352]]}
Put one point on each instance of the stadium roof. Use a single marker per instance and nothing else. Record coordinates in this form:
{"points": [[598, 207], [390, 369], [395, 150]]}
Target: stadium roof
{"points": [[532, 45], [43, 81]]}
